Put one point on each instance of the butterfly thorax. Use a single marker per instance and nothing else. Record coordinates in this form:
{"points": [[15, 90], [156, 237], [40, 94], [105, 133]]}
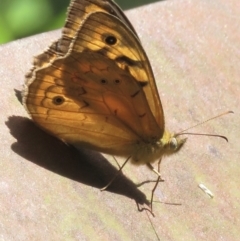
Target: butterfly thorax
{"points": [[153, 151]]}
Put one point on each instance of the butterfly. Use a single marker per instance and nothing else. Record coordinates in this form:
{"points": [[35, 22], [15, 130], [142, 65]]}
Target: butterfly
{"points": [[94, 88]]}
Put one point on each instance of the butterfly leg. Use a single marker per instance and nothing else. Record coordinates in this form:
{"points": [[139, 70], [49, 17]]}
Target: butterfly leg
{"points": [[154, 170], [159, 179], [140, 209], [119, 171], [119, 166]]}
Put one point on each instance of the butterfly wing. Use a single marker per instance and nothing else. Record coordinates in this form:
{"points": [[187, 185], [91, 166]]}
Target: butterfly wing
{"points": [[78, 12], [128, 52], [87, 100], [66, 93]]}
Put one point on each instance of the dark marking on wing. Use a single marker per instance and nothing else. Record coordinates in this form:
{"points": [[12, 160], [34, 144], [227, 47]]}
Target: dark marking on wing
{"points": [[86, 104], [58, 100], [135, 94], [104, 51], [143, 83], [125, 60], [103, 81], [81, 91], [110, 40], [117, 81], [141, 116]]}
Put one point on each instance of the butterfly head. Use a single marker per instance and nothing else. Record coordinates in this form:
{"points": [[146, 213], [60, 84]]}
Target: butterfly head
{"points": [[172, 142], [155, 149]]}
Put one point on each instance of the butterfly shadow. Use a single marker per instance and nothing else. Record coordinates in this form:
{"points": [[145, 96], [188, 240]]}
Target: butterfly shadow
{"points": [[84, 166]]}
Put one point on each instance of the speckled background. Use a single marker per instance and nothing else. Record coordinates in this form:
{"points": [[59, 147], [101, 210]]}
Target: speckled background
{"points": [[49, 191]]}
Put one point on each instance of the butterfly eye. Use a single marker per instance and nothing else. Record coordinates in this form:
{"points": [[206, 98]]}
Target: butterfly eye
{"points": [[110, 40], [58, 100], [173, 144]]}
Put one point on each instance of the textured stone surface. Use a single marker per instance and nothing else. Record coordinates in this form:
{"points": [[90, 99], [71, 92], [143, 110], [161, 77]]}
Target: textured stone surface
{"points": [[49, 191]]}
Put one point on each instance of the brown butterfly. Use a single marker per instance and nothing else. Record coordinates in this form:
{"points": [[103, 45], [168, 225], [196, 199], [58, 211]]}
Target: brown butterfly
{"points": [[94, 87]]}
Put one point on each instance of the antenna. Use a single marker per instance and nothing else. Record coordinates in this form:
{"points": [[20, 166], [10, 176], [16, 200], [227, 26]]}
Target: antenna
{"points": [[203, 134]]}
